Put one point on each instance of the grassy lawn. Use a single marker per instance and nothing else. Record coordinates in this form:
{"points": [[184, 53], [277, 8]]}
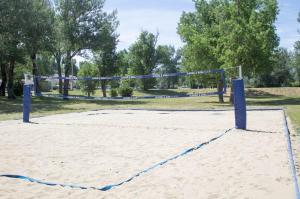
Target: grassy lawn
{"points": [[278, 97]]}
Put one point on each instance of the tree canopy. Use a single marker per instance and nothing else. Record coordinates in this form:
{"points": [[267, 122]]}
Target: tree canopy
{"points": [[229, 33]]}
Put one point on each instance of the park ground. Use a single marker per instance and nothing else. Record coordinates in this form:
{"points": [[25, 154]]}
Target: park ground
{"points": [[288, 98]]}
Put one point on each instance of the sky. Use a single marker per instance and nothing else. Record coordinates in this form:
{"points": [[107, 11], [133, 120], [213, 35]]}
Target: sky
{"points": [[163, 16]]}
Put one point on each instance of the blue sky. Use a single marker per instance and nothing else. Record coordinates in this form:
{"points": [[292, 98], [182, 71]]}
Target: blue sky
{"points": [[163, 16]]}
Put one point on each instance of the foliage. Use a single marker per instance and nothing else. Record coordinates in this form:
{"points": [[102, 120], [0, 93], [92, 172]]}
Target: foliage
{"points": [[143, 58], [228, 34], [125, 90], [46, 64], [88, 70], [122, 62], [105, 57], [13, 22], [168, 59], [84, 26], [113, 92], [297, 57], [281, 73], [297, 60]]}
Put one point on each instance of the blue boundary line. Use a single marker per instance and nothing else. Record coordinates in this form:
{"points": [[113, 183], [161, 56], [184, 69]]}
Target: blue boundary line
{"points": [[291, 157], [111, 186]]}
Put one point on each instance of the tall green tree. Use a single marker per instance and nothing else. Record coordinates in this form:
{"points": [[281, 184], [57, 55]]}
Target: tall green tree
{"points": [[83, 27], [57, 43], [122, 62], [229, 33], [13, 21], [297, 60], [143, 58], [297, 56], [281, 73], [168, 59], [88, 70], [105, 57], [38, 32]]}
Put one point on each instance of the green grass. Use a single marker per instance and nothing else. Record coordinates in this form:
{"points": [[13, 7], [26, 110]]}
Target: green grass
{"points": [[274, 97]]}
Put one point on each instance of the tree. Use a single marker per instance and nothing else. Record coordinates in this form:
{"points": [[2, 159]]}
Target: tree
{"points": [[12, 24], [143, 58], [3, 78], [86, 70], [57, 44], [2, 68], [38, 33], [230, 33], [83, 28], [297, 56], [122, 62], [46, 64], [168, 59], [105, 57], [297, 59], [281, 73]]}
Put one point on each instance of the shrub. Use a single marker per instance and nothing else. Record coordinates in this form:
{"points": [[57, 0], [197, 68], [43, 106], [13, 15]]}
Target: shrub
{"points": [[45, 86], [125, 90], [88, 86], [113, 93]]}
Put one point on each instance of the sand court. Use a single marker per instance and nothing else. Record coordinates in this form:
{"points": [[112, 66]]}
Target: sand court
{"points": [[99, 148]]}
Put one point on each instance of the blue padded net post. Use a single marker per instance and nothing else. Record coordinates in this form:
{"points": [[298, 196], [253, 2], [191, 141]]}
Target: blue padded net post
{"points": [[239, 104], [26, 103]]}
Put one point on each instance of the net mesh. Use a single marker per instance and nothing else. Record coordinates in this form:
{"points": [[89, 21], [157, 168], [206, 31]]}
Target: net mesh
{"points": [[170, 85]]}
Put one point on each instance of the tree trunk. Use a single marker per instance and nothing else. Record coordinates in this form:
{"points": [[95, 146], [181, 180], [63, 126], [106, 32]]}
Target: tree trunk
{"points": [[67, 73], [220, 90], [145, 84], [35, 74], [60, 82], [4, 79], [103, 88], [10, 77]]}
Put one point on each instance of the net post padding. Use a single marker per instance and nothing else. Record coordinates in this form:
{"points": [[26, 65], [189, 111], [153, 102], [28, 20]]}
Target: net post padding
{"points": [[26, 103], [240, 104], [28, 83]]}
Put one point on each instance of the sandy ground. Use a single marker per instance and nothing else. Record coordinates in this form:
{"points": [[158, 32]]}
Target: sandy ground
{"points": [[104, 147]]}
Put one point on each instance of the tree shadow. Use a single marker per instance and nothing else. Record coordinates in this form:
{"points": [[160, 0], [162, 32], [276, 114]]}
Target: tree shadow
{"points": [[275, 102], [52, 104], [44, 104], [251, 93], [10, 106]]}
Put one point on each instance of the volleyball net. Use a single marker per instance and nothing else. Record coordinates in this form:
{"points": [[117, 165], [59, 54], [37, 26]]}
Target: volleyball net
{"points": [[159, 85]]}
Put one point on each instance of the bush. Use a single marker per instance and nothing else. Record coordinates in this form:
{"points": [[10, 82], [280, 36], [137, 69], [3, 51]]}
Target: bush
{"points": [[113, 93], [45, 86], [125, 91]]}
